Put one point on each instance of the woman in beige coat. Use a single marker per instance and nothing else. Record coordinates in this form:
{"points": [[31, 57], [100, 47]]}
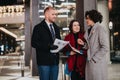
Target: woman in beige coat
{"points": [[98, 47]]}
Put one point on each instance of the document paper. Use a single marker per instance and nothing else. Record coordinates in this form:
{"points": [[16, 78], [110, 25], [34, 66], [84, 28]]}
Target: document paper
{"points": [[61, 44]]}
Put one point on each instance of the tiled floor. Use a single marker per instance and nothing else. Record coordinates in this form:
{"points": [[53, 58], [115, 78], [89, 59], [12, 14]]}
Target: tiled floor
{"points": [[114, 71], [10, 69]]}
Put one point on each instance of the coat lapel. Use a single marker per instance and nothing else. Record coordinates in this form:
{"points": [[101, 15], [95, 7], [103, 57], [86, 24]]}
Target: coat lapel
{"points": [[91, 32], [90, 38], [47, 28]]}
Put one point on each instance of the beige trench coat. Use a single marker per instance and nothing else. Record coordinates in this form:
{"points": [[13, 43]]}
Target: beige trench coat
{"points": [[98, 47]]}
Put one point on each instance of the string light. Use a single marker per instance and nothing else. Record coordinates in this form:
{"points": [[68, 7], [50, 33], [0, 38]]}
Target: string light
{"points": [[6, 11]]}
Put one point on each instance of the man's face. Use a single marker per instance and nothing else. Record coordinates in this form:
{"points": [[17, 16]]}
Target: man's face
{"points": [[51, 15]]}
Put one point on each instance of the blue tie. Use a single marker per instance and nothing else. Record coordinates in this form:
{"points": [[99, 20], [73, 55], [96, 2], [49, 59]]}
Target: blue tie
{"points": [[52, 31]]}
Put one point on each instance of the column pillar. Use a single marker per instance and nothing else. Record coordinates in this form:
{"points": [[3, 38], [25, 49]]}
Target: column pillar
{"points": [[81, 7], [27, 33], [31, 19], [34, 20], [102, 6]]}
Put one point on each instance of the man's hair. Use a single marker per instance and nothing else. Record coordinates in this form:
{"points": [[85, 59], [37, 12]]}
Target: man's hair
{"points": [[48, 8]]}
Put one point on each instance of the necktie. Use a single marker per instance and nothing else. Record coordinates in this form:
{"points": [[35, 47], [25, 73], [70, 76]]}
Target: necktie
{"points": [[52, 31]]}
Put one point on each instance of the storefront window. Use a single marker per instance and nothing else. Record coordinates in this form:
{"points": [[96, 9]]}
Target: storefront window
{"points": [[66, 12]]}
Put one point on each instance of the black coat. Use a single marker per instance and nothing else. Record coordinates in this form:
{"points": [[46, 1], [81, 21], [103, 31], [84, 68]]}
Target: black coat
{"points": [[41, 41]]}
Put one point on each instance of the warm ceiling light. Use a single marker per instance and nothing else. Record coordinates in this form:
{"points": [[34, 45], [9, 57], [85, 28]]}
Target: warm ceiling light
{"points": [[23, 1], [110, 5]]}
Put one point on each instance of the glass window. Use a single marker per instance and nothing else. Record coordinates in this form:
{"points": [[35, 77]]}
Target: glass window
{"points": [[66, 12]]}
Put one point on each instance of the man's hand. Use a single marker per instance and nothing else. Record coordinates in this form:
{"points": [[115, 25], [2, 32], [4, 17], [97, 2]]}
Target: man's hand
{"points": [[53, 47]]}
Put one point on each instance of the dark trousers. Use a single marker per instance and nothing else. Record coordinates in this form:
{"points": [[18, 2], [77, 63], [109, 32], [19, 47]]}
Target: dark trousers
{"points": [[76, 76]]}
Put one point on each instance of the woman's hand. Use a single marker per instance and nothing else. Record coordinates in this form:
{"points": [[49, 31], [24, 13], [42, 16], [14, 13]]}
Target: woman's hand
{"points": [[72, 53], [80, 42]]}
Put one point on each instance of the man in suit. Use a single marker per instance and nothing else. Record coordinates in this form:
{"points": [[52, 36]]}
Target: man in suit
{"points": [[42, 40]]}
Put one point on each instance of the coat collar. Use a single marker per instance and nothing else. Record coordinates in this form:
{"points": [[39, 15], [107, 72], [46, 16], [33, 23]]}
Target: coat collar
{"points": [[45, 25], [92, 31]]}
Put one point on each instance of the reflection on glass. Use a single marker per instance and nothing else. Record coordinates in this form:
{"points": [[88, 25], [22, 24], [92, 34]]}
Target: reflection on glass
{"points": [[66, 12]]}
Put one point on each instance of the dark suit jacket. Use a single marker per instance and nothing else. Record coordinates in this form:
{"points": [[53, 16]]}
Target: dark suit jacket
{"points": [[41, 41]]}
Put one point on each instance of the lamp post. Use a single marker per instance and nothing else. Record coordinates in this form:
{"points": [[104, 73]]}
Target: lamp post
{"points": [[111, 34], [112, 52]]}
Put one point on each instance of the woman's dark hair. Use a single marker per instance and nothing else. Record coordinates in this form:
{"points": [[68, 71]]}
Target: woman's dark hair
{"points": [[71, 25], [94, 15]]}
